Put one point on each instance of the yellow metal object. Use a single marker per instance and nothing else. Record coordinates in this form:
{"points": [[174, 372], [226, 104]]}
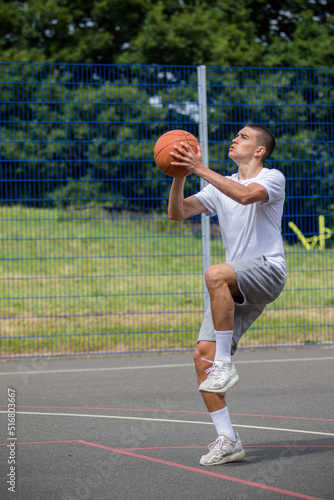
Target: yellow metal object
{"points": [[310, 243]]}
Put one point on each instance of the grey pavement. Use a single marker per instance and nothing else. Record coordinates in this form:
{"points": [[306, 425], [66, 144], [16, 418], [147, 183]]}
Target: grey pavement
{"points": [[135, 427]]}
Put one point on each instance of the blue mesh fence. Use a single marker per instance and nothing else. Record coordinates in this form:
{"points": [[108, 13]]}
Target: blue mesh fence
{"points": [[90, 262], [296, 104]]}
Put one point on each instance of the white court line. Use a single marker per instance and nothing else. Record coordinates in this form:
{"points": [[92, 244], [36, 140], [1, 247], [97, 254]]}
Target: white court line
{"points": [[108, 368], [172, 421], [148, 367]]}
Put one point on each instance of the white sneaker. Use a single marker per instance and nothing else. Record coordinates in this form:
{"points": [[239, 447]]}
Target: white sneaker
{"points": [[221, 377], [223, 450]]}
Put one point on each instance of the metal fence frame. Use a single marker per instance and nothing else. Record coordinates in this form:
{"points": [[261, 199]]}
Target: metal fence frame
{"points": [[77, 177]]}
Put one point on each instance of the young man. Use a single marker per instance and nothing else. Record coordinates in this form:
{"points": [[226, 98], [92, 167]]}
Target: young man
{"points": [[249, 206]]}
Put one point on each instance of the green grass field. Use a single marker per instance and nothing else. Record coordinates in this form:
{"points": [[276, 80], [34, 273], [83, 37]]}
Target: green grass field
{"points": [[79, 281]]}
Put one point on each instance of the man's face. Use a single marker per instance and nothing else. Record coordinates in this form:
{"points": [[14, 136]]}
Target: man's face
{"points": [[244, 145]]}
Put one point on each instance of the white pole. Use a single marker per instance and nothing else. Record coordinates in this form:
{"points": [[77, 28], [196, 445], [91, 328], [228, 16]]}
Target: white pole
{"points": [[203, 139]]}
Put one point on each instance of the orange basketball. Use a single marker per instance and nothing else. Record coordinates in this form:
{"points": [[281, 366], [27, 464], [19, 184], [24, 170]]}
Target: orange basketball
{"points": [[165, 144]]}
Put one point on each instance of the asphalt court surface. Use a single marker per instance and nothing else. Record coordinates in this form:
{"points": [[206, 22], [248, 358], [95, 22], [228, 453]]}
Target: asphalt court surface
{"points": [[135, 427]]}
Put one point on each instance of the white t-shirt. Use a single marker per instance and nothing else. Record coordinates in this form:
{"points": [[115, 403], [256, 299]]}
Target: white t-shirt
{"points": [[252, 230]]}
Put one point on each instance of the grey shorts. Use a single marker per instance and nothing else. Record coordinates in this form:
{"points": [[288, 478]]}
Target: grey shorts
{"points": [[260, 282]]}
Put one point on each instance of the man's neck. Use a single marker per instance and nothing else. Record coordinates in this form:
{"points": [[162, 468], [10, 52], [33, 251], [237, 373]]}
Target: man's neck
{"points": [[249, 170]]}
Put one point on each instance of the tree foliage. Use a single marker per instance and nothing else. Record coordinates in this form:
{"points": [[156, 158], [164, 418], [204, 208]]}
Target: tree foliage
{"points": [[75, 134], [86, 131], [177, 32]]}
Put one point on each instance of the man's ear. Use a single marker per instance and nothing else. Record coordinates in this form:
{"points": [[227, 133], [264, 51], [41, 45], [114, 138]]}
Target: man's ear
{"points": [[260, 151]]}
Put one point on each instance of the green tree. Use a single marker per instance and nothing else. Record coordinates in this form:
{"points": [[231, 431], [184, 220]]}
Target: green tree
{"points": [[178, 32], [311, 44], [280, 18], [69, 31], [191, 35]]}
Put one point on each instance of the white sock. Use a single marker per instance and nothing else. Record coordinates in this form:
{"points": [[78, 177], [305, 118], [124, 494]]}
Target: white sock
{"points": [[222, 423], [223, 346]]}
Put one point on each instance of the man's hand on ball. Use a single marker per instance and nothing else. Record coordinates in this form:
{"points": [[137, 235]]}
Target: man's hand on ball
{"points": [[186, 157]]}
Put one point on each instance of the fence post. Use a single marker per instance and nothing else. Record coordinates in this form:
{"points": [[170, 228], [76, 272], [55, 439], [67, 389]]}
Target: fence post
{"points": [[203, 138]]}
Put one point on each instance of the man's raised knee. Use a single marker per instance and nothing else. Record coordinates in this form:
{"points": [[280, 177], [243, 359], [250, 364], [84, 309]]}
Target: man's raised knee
{"points": [[214, 276], [219, 276]]}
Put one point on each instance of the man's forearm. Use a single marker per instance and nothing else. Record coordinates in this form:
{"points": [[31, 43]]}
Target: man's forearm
{"points": [[176, 199], [239, 193]]}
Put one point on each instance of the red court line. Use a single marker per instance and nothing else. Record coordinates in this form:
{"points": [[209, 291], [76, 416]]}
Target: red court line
{"points": [[247, 446], [186, 447], [112, 409], [170, 411], [206, 472]]}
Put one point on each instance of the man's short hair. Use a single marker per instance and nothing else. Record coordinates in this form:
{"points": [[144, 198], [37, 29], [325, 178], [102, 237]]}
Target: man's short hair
{"points": [[264, 137]]}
